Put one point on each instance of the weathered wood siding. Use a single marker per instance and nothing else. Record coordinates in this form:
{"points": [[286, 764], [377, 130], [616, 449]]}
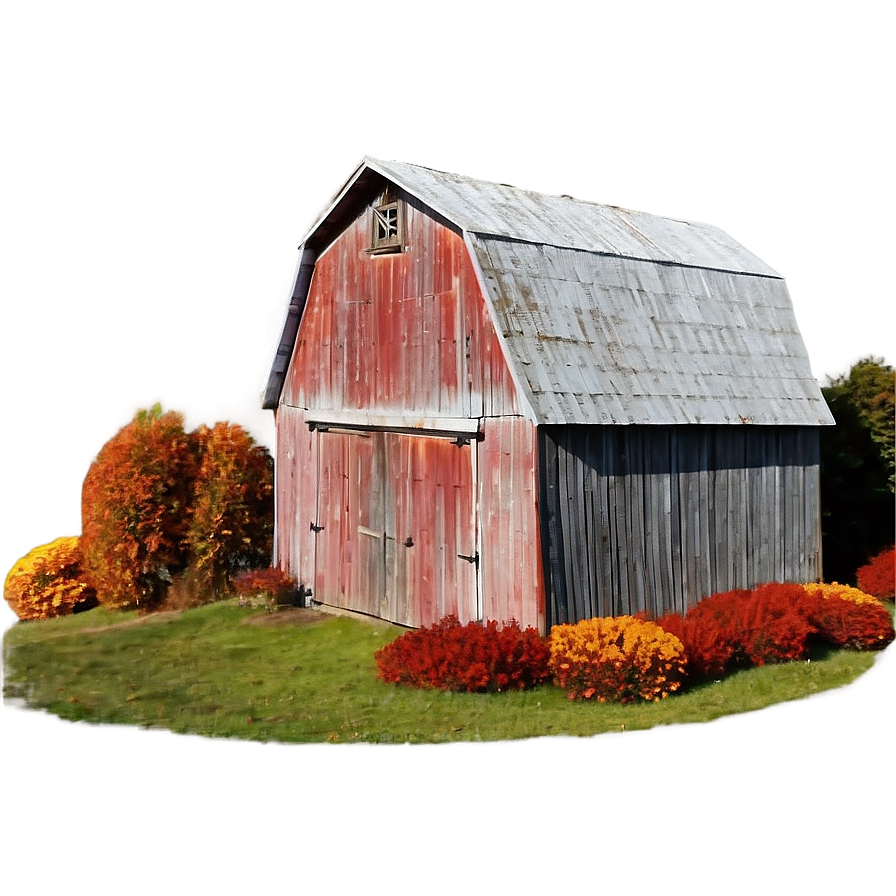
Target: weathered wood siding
{"points": [[510, 554], [405, 333], [656, 517], [295, 504], [388, 522]]}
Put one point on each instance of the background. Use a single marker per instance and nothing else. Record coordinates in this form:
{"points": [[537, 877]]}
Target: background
{"points": [[160, 165]]}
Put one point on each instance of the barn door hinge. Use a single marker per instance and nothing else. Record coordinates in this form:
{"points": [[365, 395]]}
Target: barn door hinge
{"points": [[470, 558], [315, 528]]}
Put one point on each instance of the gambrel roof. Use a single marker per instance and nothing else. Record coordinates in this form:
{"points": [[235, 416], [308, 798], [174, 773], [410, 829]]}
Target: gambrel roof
{"points": [[605, 315]]}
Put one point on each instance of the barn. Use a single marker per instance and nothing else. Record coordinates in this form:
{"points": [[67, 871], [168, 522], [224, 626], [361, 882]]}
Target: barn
{"points": [[501, 404]]}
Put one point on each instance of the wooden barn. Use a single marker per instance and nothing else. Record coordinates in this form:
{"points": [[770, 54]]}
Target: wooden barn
{"points": [[507, 405]]}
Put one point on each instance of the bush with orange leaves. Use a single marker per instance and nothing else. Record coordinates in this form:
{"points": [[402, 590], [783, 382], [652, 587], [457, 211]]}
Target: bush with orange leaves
{"points": [[877, 575], [135, 509], [48, 582], [232, 512], [619, 659]]}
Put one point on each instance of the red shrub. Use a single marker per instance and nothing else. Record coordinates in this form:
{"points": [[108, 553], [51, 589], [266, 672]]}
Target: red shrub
{"points": [[774, 624], [876, 577], [709, 634], [269, 584], [845, 623], [472, 657]]}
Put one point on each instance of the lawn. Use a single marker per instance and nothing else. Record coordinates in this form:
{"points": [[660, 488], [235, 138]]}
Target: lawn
{"points": [[302, 676]]}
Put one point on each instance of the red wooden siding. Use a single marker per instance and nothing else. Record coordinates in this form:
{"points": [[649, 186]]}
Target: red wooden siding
{"points": [[296, 457], [395, 516], [512, 582], [406, 333]]}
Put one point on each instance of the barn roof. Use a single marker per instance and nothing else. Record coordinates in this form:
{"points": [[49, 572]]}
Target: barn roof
{"points": [[607, 315]]}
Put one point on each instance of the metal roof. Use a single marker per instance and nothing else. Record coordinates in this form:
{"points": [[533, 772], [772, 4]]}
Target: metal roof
{"points": [[615, 340], [609, 315], [500, 210]]}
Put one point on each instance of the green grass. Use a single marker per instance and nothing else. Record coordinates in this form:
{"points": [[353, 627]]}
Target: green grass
{"points": [[215, 671]]}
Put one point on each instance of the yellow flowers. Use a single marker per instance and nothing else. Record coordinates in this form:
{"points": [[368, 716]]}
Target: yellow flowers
{"points": [[845, 592], [47, 581], [618, 658]]}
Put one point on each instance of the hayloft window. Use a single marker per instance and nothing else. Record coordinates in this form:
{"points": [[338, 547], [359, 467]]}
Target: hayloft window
{"points": [[386, 228]]}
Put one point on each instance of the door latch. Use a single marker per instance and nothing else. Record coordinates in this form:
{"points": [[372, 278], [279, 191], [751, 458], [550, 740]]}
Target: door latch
{"points": [[315, 528], [474, 558]]}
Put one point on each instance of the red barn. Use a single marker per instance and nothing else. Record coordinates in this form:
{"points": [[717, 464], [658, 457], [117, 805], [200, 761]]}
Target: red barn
{"points": [[500, 404]]}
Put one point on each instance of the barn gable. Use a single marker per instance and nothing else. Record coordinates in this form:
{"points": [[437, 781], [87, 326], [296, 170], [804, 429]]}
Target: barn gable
{"points": [[500, 404]]}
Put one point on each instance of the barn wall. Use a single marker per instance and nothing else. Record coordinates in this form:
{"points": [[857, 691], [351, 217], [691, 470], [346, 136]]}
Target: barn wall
{"points": [[296, 491], [655, 518], [510, 552], [405, 333]]}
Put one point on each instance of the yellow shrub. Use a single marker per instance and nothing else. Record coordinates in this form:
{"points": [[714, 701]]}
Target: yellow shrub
{"points": [[845, 592], [618, 659], [47, 581]]}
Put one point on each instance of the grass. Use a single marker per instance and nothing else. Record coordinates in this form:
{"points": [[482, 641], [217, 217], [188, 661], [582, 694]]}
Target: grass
{"points": [[228, 671]]}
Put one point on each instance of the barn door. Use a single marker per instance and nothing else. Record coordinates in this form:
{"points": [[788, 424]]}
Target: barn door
{"points": [[431, 551], [396, 531], [349, 555]]}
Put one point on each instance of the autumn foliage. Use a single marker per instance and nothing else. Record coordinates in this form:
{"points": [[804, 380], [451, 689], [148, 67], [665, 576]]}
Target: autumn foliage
{"points": [[268, 585], [232, 520], [135, 509], [619, 659], [877, 575], [158, 500], [472, 657], [48, 582], [775, 623]]}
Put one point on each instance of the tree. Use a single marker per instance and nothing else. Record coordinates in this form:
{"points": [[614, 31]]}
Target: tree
{"points": [[857, 468]]}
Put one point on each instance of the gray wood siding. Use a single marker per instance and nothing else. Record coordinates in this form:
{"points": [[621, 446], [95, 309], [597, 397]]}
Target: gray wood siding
{"points": [[653, 518]]}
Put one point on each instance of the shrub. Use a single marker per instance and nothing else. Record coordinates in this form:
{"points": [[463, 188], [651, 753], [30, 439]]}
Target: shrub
{"points": [[48, 581], [270, 586], [709, 633], [844, 592], [876, 577], [843, 622], [620, 659], [472, 657], [135, 508], [774, 624], [232, 519]]}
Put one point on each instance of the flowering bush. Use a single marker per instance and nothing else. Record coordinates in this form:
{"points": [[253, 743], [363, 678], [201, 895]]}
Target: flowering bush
{"points": [[616, 659], [267, 585], [876, 577], [47, 581], [472, 657], [232, 509], [135, 505]]}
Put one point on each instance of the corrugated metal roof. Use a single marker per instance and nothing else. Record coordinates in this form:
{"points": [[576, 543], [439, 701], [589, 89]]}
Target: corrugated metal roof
{"points": [[596, 339], [501, 210]]}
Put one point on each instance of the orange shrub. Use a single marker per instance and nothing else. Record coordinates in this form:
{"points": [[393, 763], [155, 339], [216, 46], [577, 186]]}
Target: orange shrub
{"points": [[232, 514], [135, 509], [619, 659], [47, 581]]}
